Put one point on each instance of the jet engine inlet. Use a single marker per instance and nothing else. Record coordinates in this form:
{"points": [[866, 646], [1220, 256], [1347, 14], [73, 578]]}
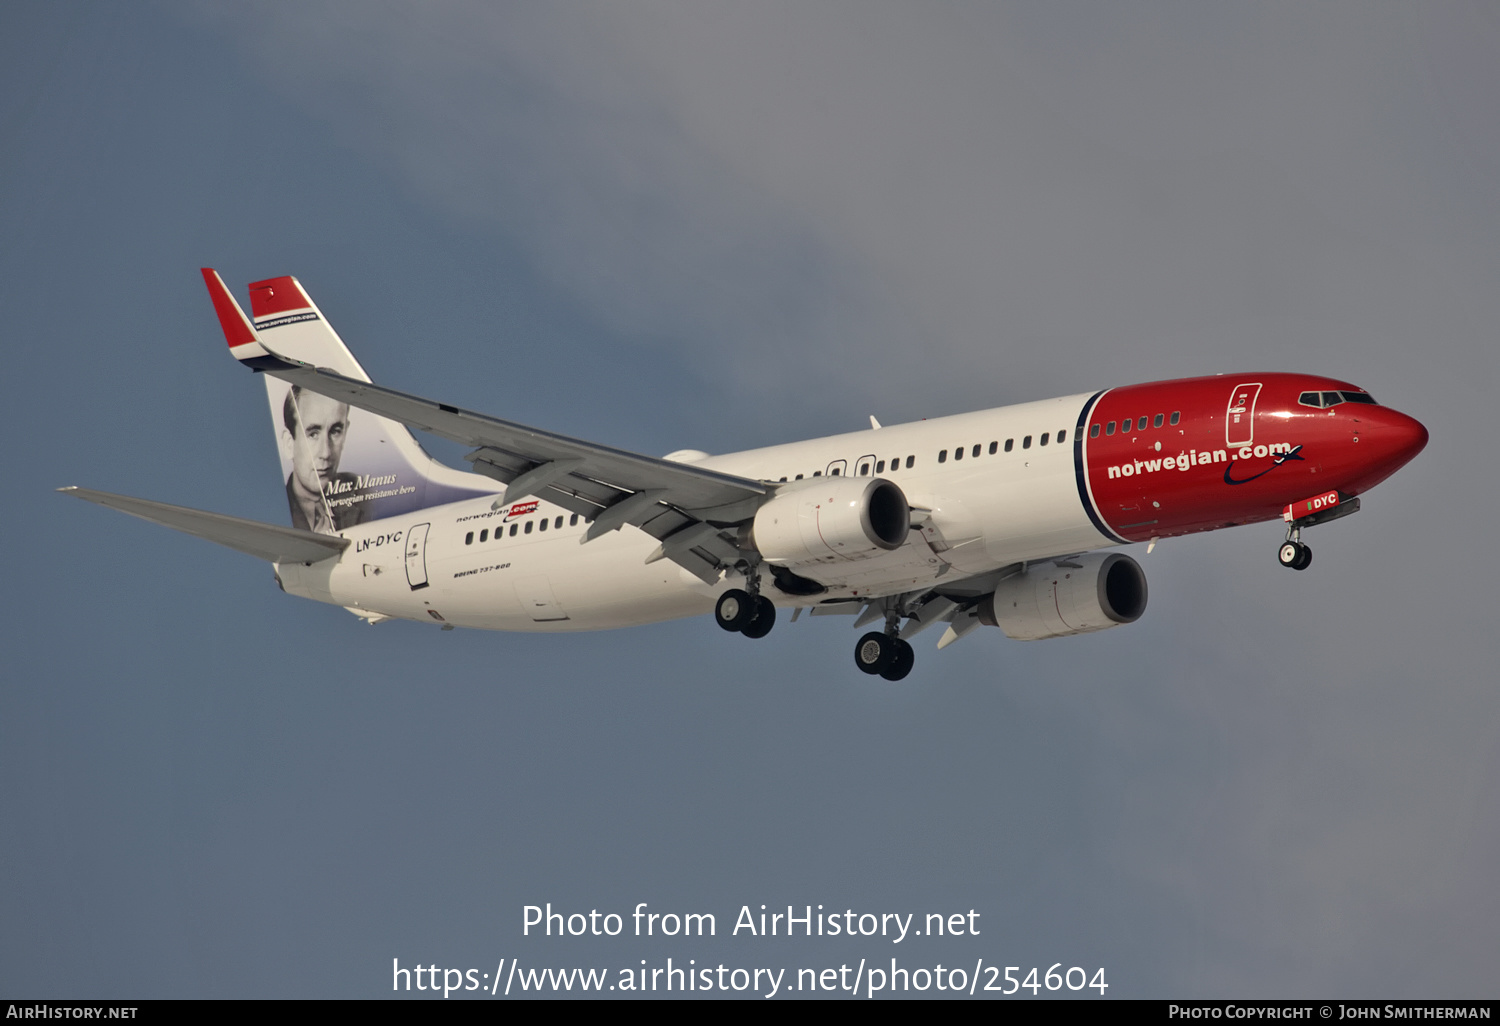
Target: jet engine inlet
{"points": [[831, 519], [1122, 589], [1052, 601], [887, 517]]}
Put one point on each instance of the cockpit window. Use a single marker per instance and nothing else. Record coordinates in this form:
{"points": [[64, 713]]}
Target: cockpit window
{"points": [[1323, 400]]}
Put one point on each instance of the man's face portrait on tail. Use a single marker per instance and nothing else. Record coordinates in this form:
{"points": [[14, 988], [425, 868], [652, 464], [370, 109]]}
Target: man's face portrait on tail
{"points": [[314, 428]]}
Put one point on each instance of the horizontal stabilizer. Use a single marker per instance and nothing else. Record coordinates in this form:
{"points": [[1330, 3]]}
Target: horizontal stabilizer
{"points": [[264, 541]]}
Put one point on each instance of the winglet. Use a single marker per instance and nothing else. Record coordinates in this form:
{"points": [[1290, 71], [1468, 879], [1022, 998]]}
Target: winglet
{"points": [[244, 343]]}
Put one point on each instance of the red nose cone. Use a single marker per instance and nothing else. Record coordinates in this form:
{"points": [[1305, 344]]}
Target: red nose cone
{"points": [[1393, 439], [1409, 436]]}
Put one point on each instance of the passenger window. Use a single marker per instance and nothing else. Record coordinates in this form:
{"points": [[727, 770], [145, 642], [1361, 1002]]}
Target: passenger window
{"points": [[1044, 437], [1176, 416], [1109, 428], [557, 523], [1141, 425], [910, 462], [943, 456], [1062, 436], [976, 451], [994, 446], [573, 520], [817, 473], [1127, 425], [1157, 421], [783, 477], [1026, 442], [834, 472], [896, 463], [528, 527], [864, 470], [1010, 443], [958, 453], [469, 538], [513, 529], [798, 477], [543, 525], [1094, 431], [880, 467], [484, 535]]}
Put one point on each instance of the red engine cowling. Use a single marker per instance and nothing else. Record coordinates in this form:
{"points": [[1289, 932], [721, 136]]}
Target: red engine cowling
{"points": [[831, 519], [1103, 590]]}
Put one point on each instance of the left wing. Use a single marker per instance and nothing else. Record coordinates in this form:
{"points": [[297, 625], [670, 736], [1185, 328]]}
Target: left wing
{"points": [[685, 507]]}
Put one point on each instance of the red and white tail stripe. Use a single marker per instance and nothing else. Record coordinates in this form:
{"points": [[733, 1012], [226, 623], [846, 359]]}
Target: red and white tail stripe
{"points": [[278, 301]]}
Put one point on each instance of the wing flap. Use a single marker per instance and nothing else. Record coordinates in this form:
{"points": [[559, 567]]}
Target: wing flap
{"points": [[264, 541]]}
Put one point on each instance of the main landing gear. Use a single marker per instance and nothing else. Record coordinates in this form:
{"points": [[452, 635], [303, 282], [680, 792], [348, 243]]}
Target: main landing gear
{"points": [[1294, 552], [744, 613], [884, 653]]}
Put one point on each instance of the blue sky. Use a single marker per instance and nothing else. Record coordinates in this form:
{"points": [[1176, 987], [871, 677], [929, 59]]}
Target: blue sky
{"points": [[720, 226]]}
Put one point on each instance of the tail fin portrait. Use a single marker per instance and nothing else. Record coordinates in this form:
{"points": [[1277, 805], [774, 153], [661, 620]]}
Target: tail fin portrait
{"points": [[342, 466]]}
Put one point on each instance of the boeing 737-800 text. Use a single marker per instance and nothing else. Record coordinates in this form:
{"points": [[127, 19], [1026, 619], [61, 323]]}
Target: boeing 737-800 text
{"points": [[1002, 517]]}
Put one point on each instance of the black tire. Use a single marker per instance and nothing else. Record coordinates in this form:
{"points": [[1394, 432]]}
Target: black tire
{"points": [[874, 652], [905, 659], [734, 610], [1290, 554], [1304, 558], [765, 618]]}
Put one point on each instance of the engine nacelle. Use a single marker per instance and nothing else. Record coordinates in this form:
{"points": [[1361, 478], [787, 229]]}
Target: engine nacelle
{"points": [[824, 520], [1105, 590]]}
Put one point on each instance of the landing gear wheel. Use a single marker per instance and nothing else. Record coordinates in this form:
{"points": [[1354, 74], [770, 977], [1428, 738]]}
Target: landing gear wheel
{"points": [[903, 661], [1295, 555], [735, 610], [764, 619], [875, 652]]}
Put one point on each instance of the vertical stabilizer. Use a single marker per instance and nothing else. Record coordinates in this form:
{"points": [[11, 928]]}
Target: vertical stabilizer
{"points": [[342, 466]]}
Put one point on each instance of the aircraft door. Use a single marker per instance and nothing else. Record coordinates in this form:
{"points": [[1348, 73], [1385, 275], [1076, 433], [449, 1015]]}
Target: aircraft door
{"points": [[416, 556], [865, 465], [838, 468], [1239, 419]]}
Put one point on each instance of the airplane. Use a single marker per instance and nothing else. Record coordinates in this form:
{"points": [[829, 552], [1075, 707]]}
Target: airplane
{"points": [[1001, 518]]}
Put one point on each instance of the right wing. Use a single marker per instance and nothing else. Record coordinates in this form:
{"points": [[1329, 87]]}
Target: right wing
{"points": [[264, 541]]}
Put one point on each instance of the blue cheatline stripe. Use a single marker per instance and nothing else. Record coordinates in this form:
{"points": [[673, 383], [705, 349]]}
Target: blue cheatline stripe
{"points": [[1079, 470], [268, 363]]}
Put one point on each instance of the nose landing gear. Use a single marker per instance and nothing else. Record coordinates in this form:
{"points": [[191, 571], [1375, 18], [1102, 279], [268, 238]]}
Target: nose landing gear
{"points": [[1333, 505], [1293, 552], [1295, 555]]}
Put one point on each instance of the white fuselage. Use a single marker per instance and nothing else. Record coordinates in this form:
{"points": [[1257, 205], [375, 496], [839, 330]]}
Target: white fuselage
{"points": [[986, 512]]}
